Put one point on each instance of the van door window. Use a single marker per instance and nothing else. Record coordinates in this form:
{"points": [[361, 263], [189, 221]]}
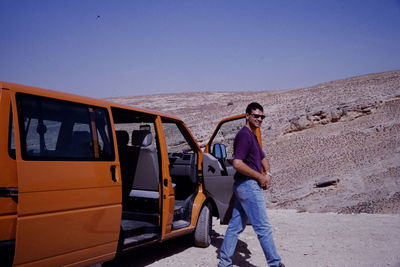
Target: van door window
{"points": [[106, 149], [11, 138], [226, 135], [60, 130]]}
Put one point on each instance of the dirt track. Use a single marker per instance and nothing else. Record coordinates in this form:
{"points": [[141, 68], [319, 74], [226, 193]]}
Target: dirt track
{"points": [[302, 239]]}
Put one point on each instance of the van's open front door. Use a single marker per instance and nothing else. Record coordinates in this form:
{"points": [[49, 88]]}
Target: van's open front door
{"points": [[69, 191], [217, 164]]}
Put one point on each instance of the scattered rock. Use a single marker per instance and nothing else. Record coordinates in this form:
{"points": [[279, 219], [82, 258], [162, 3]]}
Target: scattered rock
{"points": [[327, 182]]}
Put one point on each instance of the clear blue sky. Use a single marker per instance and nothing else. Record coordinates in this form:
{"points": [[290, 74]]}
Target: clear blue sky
{"points": [[118, 48]]}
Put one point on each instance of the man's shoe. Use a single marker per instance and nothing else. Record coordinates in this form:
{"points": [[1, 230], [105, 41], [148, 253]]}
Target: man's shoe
{"points": [[281, 265]]}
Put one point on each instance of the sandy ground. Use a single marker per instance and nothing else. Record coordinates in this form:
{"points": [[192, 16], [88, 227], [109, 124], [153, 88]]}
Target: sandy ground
{"points": [[302, 239]]}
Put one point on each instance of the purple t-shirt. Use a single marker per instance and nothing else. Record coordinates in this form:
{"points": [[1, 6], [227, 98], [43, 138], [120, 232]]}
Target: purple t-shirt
{"points": [[247, 148]]}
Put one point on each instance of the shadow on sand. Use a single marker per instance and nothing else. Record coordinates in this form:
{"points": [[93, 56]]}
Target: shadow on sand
{"points": [[148, 255]]}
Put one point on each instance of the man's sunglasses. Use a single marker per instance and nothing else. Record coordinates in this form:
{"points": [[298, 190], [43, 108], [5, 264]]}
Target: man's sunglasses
{"points": [[257, 116]]}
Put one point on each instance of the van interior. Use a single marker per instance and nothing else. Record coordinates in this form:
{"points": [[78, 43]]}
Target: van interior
{"points": [[140, 158]]}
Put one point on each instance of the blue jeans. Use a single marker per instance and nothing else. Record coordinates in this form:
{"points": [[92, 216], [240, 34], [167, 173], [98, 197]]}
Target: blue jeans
{"points": [[249, 203]]}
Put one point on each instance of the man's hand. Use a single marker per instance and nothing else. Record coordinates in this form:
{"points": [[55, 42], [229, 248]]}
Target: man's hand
{"points": [[264, 181], [267, 168]]}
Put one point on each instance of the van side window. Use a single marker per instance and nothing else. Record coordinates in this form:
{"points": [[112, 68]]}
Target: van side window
{"points": [[11, 138], [176, 142], [52, 129]]}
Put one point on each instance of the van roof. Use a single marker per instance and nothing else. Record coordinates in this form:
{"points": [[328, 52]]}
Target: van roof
{"points": [[77, 98]]}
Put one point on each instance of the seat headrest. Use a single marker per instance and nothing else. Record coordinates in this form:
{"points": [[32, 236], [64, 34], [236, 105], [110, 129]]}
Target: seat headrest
{"points": [[81, 146], [81, 137], [141, 138], [122, 137]]}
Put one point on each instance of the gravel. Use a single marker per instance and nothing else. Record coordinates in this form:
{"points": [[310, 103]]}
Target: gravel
{"points": [[302, 239]]}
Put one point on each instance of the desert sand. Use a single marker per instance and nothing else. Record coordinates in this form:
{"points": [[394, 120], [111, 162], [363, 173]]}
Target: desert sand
{"points": [[302, 239]]}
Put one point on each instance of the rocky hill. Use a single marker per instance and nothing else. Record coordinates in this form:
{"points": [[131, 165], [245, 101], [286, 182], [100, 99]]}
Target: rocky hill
{"points": [[333, 146]]}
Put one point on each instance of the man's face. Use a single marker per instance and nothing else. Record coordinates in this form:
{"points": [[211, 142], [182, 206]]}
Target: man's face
{"points": [[255, 118]]}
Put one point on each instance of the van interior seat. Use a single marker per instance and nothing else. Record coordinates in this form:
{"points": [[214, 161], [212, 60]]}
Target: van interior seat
{"points": [[146, 180], [128, 158], [122, 138], [81, 144]]}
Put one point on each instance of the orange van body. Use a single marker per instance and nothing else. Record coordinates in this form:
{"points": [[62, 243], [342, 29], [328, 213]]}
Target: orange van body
{"points": [[63, 195]]}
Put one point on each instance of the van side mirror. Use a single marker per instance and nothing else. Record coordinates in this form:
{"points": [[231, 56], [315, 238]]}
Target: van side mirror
{"points": [[219, 151]]}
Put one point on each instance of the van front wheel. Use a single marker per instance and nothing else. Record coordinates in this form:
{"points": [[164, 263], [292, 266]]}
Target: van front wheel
{"points": [[202, 234]]}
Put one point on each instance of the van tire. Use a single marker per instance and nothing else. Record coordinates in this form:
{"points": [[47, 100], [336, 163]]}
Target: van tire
{"points": [[202, 233]]}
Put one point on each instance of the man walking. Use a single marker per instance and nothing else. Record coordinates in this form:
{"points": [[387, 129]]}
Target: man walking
{"points": [[249, 161]]}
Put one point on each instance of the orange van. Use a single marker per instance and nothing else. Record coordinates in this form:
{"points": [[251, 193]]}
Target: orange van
{"points": [[84, 179]]}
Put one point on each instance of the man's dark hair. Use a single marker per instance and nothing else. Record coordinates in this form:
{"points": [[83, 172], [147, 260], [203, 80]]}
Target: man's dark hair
{"points": [[253, 106]]}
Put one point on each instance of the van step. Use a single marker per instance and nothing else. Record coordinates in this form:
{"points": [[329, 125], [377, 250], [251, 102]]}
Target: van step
{"points": [[128, 225], [180, 224], [140, 216], [136, 228], [139, 238]]}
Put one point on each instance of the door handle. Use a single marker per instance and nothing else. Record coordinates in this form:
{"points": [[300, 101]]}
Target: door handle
{"points": [[113, 170], [211, 168], [11, 192]]}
